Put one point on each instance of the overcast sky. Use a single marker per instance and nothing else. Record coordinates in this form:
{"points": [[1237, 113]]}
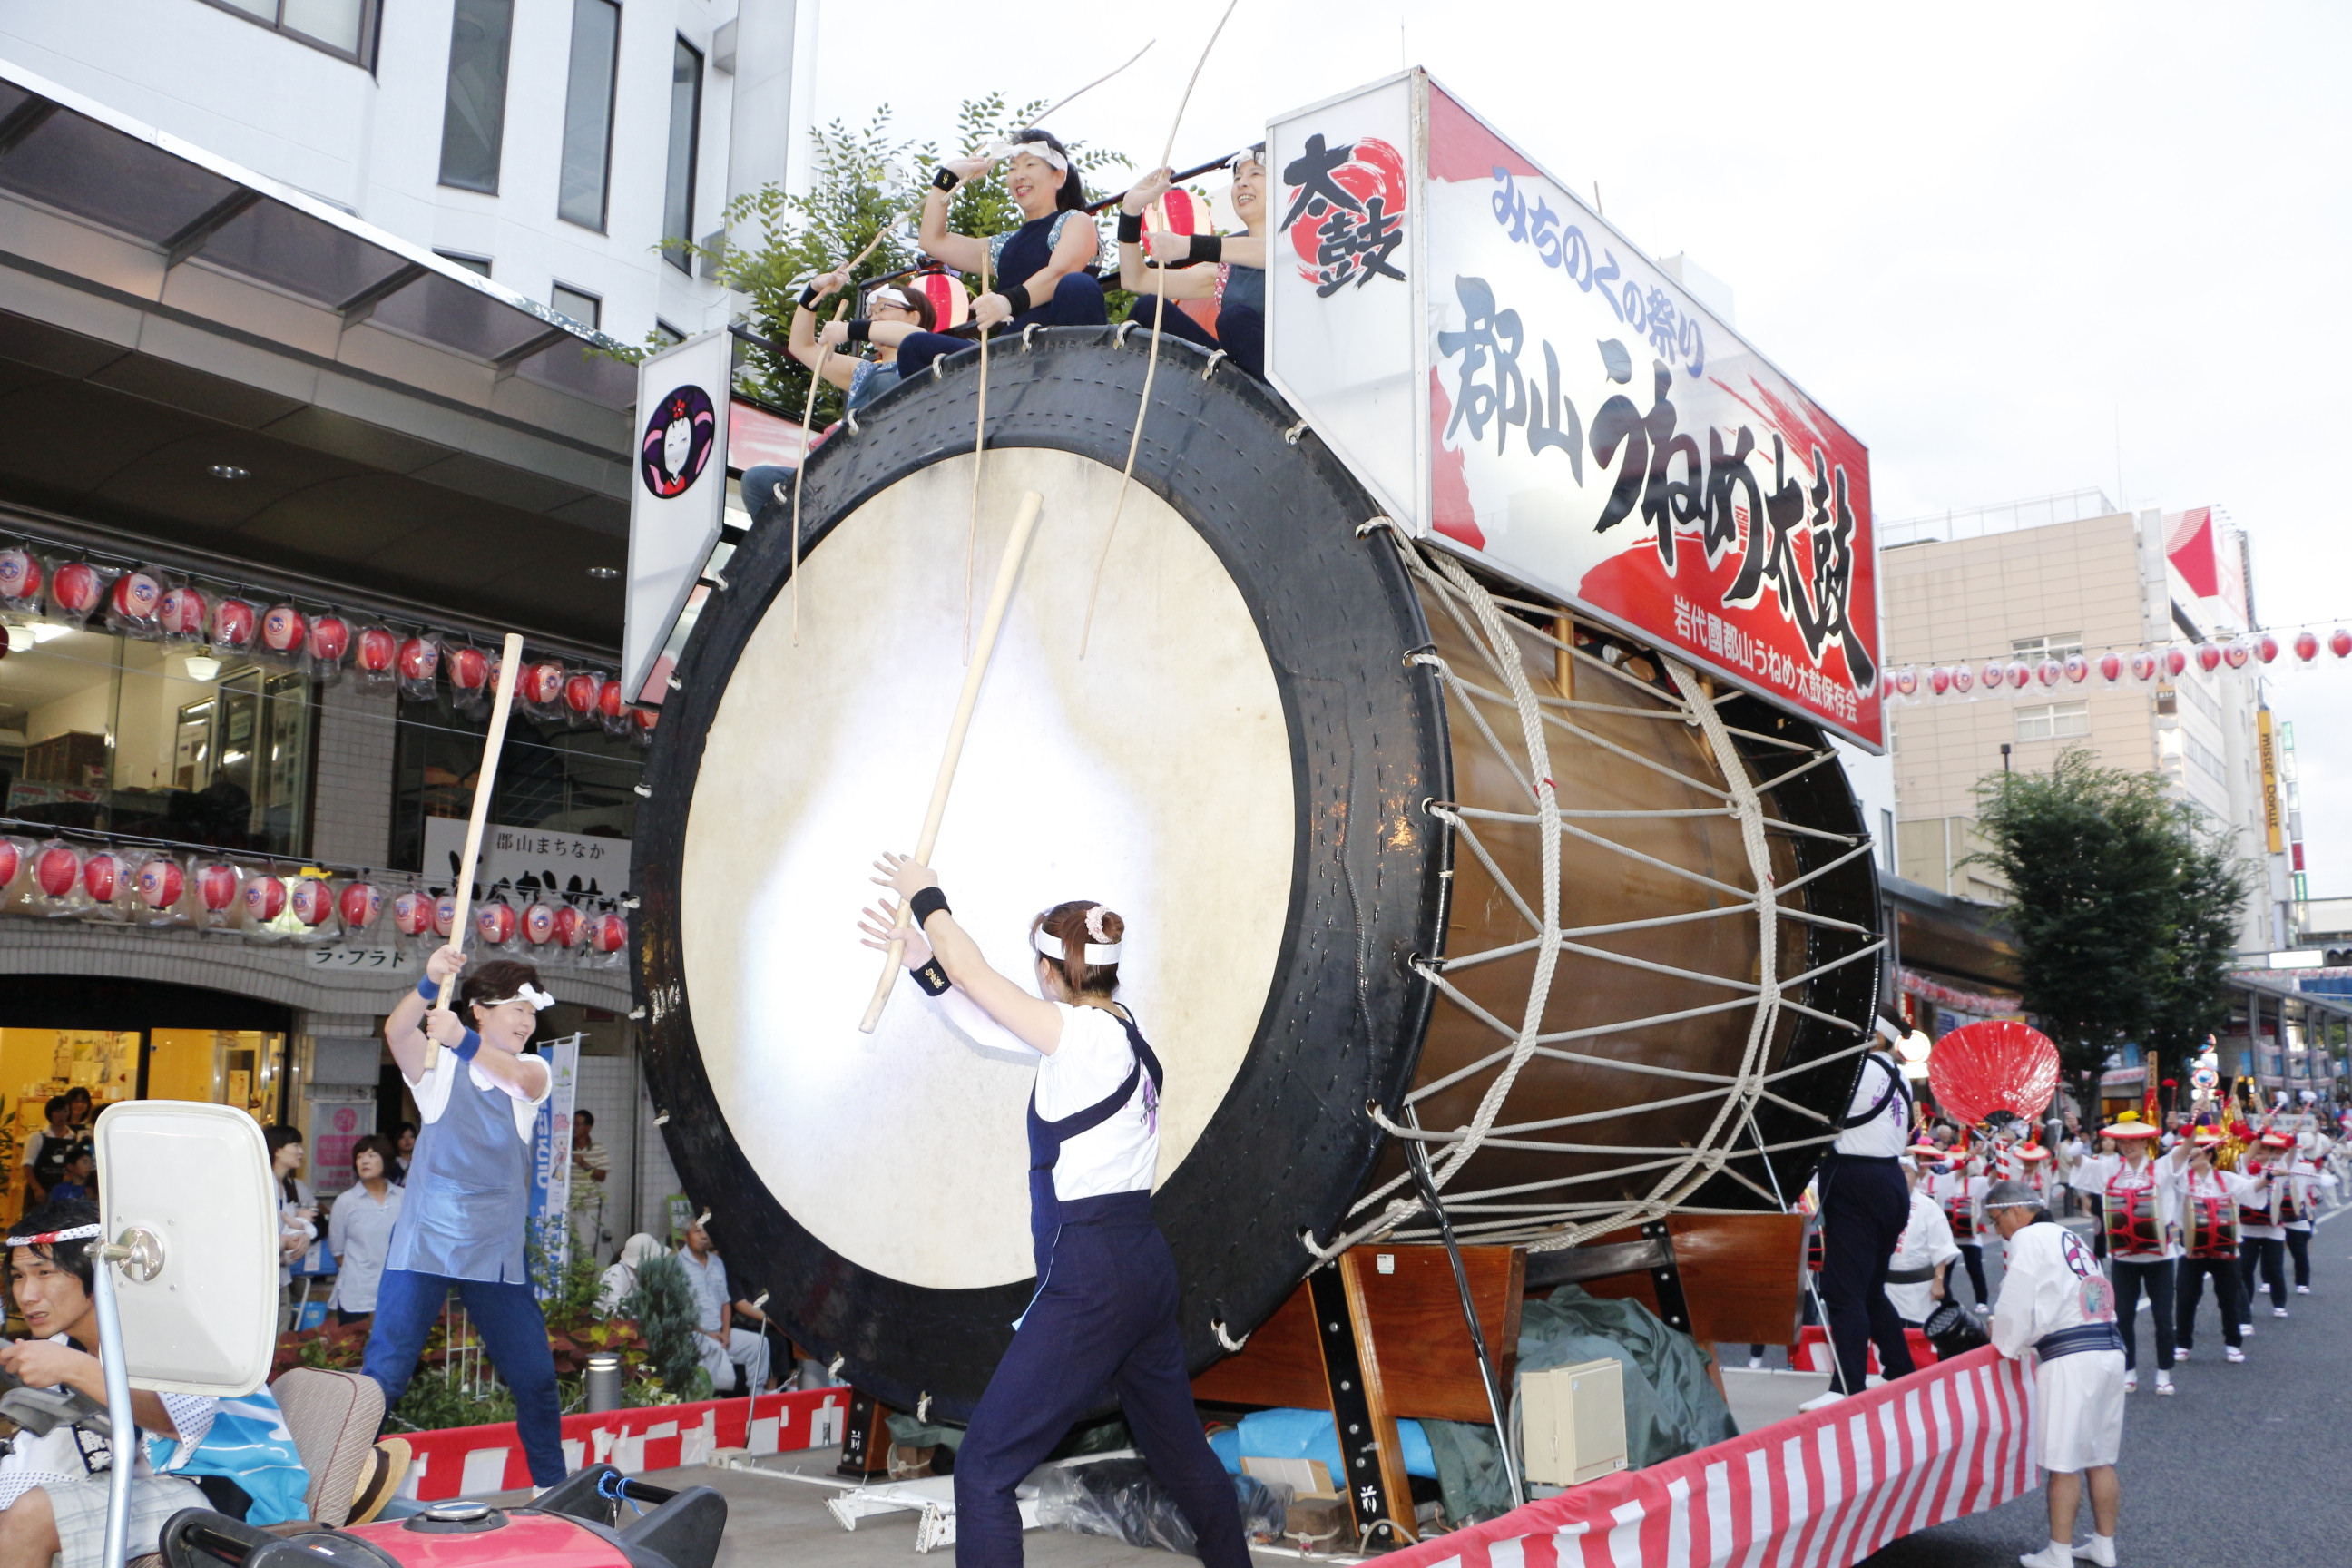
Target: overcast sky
{"points": [[2017, 249]]}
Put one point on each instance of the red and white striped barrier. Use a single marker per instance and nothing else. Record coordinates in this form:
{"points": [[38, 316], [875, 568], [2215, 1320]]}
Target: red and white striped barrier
{"points": [[1820, 1491], [466, 1461]]}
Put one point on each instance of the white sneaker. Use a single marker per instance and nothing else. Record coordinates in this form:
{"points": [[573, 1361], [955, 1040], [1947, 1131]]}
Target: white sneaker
{"points": [[2164, 1383], [2180, 1353], [2278, 1312], [2246, 1330], [2233, 1355], [2131, 1382], [1756, 1363], [2303, 1290], [2099, 1550], [1822, 1401], [2057, 1554]]}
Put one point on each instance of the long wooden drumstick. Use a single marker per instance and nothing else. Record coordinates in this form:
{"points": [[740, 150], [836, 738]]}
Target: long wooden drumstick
{"points": [[509, 670], [1024, 523], [808, 415]]}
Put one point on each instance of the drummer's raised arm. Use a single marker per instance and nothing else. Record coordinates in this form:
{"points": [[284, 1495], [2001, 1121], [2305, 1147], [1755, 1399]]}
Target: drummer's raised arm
{"points": [[960, 251], [1035, 1022]]}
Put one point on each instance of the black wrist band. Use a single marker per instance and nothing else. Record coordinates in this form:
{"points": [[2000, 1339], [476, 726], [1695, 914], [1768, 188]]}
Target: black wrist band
{"points": [[1017, 297], [860, 330], [932, 978], [925, 902], [808, 298], [944, 181], [1130, 228], [1207, 248]]}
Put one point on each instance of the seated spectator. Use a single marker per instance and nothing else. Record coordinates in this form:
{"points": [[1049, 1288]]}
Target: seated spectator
{"points": [[620, 1281], [194, 1451], [358, 1230], [723, 1347]]}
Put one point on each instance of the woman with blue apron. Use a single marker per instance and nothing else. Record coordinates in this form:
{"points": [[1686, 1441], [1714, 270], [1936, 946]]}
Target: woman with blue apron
{"points": [[1039, 274], [1225, 272], [467, 1201], [1104, 1316]]}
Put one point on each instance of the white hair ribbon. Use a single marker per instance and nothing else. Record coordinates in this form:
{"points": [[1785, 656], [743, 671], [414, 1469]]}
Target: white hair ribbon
{"points": [[1097, 953]]}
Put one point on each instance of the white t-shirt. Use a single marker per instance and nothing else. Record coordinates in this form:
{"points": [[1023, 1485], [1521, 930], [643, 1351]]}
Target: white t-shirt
{"points": [[1122, 1154], [1886, 1134], [1926, 1241], [431, 1093]]}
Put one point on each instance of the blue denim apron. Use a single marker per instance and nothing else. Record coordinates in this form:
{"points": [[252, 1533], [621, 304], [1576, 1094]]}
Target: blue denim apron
{"points": [[1047, 1212], [464, 1210]]}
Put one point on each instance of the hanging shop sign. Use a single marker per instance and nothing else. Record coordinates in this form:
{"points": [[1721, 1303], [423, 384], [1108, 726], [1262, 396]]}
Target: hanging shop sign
{"points": [[1516, 380], [679, 498]]}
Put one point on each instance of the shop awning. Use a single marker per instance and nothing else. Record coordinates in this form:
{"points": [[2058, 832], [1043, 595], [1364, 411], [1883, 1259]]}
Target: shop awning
{"points": [[167, 317]]}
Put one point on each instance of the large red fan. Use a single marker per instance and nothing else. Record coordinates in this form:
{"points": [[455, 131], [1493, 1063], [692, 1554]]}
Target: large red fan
{"points": [[1998, 1065]]}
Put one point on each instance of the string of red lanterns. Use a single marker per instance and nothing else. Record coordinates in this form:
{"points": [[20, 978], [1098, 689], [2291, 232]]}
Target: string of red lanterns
{"points": [[2115, 668]]}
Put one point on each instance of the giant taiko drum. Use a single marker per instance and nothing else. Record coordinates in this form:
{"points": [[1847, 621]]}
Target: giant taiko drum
{"points": [[1281, 755]]}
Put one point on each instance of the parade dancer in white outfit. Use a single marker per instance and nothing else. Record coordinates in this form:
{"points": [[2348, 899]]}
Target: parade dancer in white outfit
{"points": [[1917, 1276], [2141, 1195], [2056, 1302]]}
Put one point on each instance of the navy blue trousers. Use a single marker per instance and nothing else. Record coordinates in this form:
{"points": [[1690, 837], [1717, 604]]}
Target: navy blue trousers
{"points": [[1077, 301], [513, 1330], [1864, 1206], [1105, 1321]]}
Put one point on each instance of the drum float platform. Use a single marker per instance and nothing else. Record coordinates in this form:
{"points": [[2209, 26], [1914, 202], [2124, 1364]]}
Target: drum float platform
{"points": [[1292, 758]]}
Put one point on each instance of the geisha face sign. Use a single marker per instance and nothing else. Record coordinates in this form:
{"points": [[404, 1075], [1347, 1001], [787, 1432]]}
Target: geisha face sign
{"points": [[1524, 387]]}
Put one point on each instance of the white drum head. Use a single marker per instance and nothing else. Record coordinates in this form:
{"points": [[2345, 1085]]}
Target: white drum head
{"points": [[1154, 775]]}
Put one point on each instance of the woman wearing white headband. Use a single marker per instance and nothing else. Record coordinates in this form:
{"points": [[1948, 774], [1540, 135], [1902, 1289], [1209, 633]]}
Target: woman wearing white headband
{"points": [[1104, 1313], [1226, 270], [1039, 273], [893, 315], [464, 1209]]}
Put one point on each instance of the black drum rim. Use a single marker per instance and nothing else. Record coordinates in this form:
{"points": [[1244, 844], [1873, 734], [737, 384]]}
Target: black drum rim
{"points": [[1363, 843]]}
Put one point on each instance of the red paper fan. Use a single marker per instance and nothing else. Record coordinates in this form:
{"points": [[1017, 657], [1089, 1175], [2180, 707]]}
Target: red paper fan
{"points": [[1999, 1065]]}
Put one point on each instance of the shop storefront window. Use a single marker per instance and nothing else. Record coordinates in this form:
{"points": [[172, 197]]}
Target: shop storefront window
{"points": [[113, 734], [566, 778]]}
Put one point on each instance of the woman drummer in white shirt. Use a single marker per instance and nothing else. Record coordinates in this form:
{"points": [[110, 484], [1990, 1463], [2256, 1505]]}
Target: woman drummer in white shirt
{"points": [[1104, 1317]]}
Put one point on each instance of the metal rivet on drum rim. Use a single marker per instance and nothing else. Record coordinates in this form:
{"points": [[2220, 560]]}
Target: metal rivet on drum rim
{"points": [[646, 792]]}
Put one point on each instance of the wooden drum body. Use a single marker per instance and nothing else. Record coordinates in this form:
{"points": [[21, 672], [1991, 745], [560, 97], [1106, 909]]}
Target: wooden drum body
{"points": [[1255, 761]]}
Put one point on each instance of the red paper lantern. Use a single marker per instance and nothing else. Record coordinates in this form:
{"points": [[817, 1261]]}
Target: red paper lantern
{"points": [[580, 693], [183, 613], [469, 669], [2049, 671], [1963, 678], [233, 621], [379, 649], [55, 869], [1939, 680], [76, 589], [2077, 668], [1998, 1065], [136, 596], [419, 659], [359, 905], [313, 900], [162, 882], [541, 683], [20, 576], [331, 638], [647, 717], [495, 921], [445, 914], [2267, 647], [570, 923], [2339, 643], [217, 885], [265, 898], [12, 859], [283, 629], [2144, 666], [612, 933], [538, 924], [2111, 667], [101, 877], [609, 701], [2209, 657], [2175, 661], [2306, 646], [412, 914]]}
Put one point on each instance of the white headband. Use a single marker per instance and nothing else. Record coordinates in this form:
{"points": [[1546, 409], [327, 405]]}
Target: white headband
{"points": [[1000, 150], [78, 1233], [1097, 952], [540, 1000], [890, 296]]}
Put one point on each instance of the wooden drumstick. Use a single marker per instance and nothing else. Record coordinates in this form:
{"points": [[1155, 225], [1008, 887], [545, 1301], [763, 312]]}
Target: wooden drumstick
{"points": [[509, 671], [1025, 523]]}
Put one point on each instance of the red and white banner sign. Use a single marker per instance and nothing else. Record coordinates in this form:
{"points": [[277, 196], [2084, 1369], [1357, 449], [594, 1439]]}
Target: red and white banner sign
{"points": [[1821, 1490], [1514, 379]]}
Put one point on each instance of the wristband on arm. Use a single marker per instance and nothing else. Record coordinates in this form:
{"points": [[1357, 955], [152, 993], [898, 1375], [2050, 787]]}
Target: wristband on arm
{"points": [[944, 181], [925, 902], [809, 297], [860, 330], [932, 978], [1207, 248], [1017, 297], [429, 988], [468, 1047], [1130, 228]]}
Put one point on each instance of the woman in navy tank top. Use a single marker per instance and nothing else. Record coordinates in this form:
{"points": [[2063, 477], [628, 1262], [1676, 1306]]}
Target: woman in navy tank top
{"points": [[1227, 272], [1039, 273]]}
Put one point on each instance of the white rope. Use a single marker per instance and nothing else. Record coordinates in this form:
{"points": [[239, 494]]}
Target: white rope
{"points": [[1674, 1174]]}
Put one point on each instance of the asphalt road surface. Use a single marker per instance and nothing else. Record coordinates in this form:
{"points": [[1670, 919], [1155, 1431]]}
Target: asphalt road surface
{"points": [[2249, 1464]]}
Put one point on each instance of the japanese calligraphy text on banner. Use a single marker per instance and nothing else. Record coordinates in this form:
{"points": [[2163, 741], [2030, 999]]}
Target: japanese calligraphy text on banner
{"points": [[1516, 383]]}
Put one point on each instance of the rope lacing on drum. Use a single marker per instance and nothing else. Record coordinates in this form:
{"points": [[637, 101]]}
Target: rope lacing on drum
{"points": [[1671, 1174]]}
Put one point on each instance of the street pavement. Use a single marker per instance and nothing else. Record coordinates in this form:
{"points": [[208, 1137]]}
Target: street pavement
{"points": [[2246, 1464]]}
